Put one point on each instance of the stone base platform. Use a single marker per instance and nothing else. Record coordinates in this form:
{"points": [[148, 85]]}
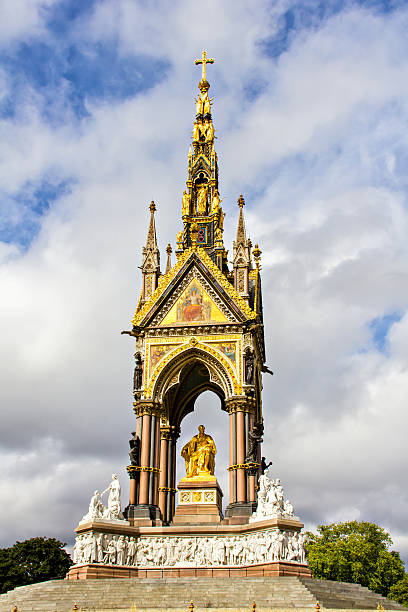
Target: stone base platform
{"points": [[200, 502], [269, 593], [98, 571], [269, 547]]}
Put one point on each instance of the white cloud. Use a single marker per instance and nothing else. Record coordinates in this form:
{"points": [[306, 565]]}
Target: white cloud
{"points": [[22, 18], [318, 153]]}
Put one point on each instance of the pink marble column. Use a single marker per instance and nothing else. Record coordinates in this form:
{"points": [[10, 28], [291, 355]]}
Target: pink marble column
{"points": [[164, 442], [232, 453], [241, 477], [145, 459]]}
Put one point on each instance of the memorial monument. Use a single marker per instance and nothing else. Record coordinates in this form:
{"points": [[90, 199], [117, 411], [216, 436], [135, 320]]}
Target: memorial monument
{"points": [[198, 326]]}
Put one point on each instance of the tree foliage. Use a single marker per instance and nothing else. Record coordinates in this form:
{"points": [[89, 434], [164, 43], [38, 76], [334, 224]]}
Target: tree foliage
{"points": [[355, 552], [33, 560], [399, 591]]}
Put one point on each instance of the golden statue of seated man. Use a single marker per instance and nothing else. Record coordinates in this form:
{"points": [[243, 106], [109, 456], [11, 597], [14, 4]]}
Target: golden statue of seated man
{"points": [[199, 455]]}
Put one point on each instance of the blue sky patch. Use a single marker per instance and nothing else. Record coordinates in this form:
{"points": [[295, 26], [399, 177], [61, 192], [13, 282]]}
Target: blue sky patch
{"points": [[309, 14], [65, 77], [380, 326], [62, 15], [22, 214]]}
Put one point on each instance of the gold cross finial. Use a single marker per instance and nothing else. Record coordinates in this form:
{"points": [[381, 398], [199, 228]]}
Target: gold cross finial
{"points": [[204, 61]]}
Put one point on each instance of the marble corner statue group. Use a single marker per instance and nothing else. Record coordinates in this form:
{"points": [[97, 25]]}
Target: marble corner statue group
{"points": [[198, 326]]}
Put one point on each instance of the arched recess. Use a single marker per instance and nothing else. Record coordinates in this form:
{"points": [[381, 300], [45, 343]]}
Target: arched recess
{"points": [[185, 365], [193, 379]]}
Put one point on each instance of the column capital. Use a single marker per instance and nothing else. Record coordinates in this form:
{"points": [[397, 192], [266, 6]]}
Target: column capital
{"points": [[169, 432], [240, 404], [150, 407]]}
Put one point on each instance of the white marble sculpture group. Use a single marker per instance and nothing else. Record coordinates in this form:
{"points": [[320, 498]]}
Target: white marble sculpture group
{"points": [[238, 550], [96, 508], [263, 546], [271, 502]]}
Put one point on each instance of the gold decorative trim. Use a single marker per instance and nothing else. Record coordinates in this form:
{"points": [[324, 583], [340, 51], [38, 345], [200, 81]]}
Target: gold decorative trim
{"points": [[165, 279], [222, 279], [167, 490], [185, 347], [244, 466], [240, 404], [141, 408], [142, 468]]}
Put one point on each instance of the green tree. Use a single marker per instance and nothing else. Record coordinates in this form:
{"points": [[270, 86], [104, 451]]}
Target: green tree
{"points": [[354, 552], [33, 560], [399, 591]]}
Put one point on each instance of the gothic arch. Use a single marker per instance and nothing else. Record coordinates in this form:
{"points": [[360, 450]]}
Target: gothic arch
{"points": [[220, 376]]}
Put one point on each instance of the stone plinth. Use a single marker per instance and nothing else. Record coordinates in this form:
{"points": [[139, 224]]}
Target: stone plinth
{"points": [[200, 502], [271, 547], [278, 568]]}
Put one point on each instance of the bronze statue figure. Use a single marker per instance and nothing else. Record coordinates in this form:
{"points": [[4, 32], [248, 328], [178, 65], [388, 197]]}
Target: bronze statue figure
{"points": [[199, 455], [254, 440], [134, 453], [137, 375]]}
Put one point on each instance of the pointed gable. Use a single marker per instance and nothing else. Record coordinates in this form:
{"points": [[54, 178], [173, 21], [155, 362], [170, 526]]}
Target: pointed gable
{"points": [[194, 307], [193, 292]]}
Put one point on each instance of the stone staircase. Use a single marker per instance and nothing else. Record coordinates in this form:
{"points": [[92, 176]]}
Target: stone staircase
{"points": [[161, 593], [331, 594]]}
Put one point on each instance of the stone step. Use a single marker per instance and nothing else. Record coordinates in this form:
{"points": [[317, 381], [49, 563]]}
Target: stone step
{"points": [[167, 593]]}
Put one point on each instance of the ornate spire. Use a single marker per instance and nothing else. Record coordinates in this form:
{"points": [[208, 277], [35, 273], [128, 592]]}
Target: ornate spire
{"points": [[151, 235], [241, 254], [150, 258], [201, 199], [241, 234], [169, 251]]}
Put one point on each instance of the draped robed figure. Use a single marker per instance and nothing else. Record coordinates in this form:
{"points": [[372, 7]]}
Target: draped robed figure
{"points": [[199, 455]]}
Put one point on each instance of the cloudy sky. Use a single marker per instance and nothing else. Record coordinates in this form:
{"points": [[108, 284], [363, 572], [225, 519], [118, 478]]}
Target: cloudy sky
{"points": [[311, 112]]}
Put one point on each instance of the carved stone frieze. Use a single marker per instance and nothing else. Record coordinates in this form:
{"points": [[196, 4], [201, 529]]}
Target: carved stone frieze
{"points": [[199, 330], [259, 547]]}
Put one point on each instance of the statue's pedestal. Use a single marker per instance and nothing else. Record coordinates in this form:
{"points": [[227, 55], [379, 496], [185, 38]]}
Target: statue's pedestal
{"points": [[262, 548], [200, 502]]}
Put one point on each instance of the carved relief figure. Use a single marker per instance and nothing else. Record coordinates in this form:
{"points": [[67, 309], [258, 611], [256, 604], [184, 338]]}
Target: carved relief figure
{"points": [[221, 220], [255, 438], [202, 200], [138, 373], [209, 131], [96, 508], [113, 510], [205, 103], [249, 368], [199, 455], [215, 203], [196, 132], [264, 465], [199, 105], [153, 551], [134, 453], [271, 500], [186, 203]]}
